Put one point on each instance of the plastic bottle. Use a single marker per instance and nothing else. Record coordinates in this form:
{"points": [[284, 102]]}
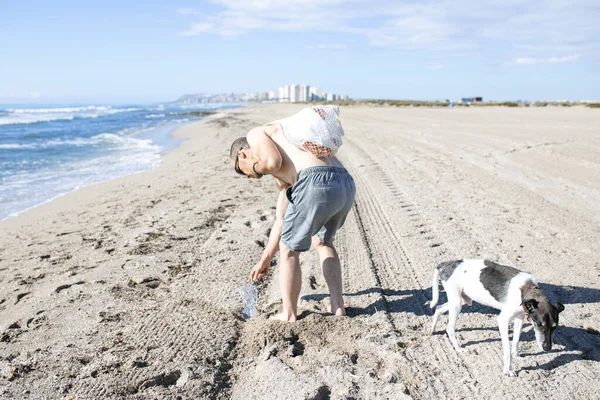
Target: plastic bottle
{"points": [[249, 297]]}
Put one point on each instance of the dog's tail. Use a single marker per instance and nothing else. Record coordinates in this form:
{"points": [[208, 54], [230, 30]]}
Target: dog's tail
{"points": [[435, 290]]}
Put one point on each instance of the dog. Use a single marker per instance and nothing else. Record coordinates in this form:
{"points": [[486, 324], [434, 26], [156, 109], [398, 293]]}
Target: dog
{"points": [[515, 293]]}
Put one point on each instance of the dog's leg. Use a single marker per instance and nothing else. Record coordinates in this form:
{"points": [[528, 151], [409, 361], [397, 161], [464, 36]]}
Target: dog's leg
{"points": [[516, 336], [466, 299], [435, 289], [439, 310], [503, 322], [454, 306]]}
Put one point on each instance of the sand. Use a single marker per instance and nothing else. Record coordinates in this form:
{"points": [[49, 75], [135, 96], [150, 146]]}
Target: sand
{"points": [[128, 289]]}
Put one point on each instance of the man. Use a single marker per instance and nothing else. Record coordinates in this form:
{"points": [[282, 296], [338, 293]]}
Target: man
{"points": [[315, 196]]}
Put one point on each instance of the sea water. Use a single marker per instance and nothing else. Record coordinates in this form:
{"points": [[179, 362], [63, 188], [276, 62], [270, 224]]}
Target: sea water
{"points": [[47, 151]]}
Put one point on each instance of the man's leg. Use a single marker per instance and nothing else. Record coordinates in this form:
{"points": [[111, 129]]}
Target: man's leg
{"points": [[290, 281], [332, 271]]}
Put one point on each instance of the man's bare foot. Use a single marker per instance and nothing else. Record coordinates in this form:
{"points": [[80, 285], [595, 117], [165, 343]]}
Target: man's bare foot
{"points": [[340, 311], [337, 312], [285, 317]]}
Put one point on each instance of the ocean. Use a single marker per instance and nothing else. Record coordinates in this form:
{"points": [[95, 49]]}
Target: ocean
{"points": [[47, 151]]}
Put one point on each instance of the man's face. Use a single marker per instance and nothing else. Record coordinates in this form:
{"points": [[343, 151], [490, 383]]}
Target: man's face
{"points": [[245, 161]]}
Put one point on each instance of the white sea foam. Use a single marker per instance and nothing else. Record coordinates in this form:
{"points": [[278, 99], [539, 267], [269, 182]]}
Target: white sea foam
{"points": [[57, 109], [44, 175], [128, 155], [54, 183], [16, 116], [106, 140], [31, 119], [15, 146]]}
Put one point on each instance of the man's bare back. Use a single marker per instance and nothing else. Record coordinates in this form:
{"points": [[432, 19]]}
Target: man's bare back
{"points": [[294, 160]]}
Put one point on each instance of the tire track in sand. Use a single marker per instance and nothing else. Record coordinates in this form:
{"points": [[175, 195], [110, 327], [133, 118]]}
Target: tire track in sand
{"points": [[427, 175], [403, 295], [405, 214]]}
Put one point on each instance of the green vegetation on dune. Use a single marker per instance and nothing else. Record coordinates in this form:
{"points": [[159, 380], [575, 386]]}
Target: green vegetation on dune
{"points": [[408, 103], [393, 103], [500, 104], [420, 103]]}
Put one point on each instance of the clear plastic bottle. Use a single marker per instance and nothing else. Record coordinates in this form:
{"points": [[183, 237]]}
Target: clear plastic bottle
{"points": [[249, 295]]}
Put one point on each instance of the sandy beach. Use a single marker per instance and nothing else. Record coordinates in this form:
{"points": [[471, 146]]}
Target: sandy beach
{"points": [[129, 288]]}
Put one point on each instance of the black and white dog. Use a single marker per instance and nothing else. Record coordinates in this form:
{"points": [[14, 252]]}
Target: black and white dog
{"points": [[516, 294]]}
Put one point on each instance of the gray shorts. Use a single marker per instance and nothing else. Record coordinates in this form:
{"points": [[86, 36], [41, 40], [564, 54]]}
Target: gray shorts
{"points": [[318, 205]]}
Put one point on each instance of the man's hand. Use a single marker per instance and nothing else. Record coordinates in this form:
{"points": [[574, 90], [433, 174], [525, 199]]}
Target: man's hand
{"points": [[260, 269]]}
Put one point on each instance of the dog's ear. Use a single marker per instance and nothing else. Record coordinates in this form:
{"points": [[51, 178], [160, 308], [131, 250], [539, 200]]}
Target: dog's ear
{"points": [[530, 305], [559, 307]]}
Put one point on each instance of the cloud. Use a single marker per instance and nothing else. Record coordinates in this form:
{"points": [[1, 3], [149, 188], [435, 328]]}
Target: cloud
{"points": [[326, 46], [549, 60], [188, 11], [197, 29], [469, 26]]}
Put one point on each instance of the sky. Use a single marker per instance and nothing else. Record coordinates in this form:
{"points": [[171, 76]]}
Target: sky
{"points": [[153, 51]]}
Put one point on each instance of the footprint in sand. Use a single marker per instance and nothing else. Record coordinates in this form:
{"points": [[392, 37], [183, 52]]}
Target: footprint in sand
{"points": [[63, 287], [21, 295]]}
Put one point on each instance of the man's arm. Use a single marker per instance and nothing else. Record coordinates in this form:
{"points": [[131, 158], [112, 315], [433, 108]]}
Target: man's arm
{"points": [[266, 151], [262, 267], [282, 205]]}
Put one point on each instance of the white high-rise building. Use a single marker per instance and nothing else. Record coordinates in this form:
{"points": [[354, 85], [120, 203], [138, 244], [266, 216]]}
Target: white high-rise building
{"points": [[303, 95], [314, 93], [295, 93], [280, 93], [299, 93], [283, 94]]}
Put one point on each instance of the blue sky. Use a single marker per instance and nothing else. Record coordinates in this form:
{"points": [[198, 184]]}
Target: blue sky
{"points": [[109, 51]]}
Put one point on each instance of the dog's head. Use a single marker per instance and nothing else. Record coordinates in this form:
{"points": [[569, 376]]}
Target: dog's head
{"points": [[544, 317]]}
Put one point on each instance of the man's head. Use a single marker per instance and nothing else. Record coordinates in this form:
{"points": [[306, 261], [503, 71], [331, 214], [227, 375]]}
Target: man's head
{"points": [[243, 158]]}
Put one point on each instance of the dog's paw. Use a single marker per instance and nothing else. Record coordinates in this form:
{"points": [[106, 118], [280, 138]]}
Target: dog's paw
{"points": [[512, 374], [517, 356]]}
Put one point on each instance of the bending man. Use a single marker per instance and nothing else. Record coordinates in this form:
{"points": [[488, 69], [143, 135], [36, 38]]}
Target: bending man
{"points": [[315, 196]]}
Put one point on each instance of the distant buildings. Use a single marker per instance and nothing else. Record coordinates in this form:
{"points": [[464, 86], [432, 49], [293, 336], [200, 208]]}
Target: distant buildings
{"points": [[202, 98], [294, 94], [283, 94]]}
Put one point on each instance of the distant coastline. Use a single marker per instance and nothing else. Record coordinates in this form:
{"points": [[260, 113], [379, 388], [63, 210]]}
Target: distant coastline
{"points": [[242, 99]]}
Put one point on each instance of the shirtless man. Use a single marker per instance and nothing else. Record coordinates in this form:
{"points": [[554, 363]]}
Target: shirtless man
{"points": [[315, 196]]}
